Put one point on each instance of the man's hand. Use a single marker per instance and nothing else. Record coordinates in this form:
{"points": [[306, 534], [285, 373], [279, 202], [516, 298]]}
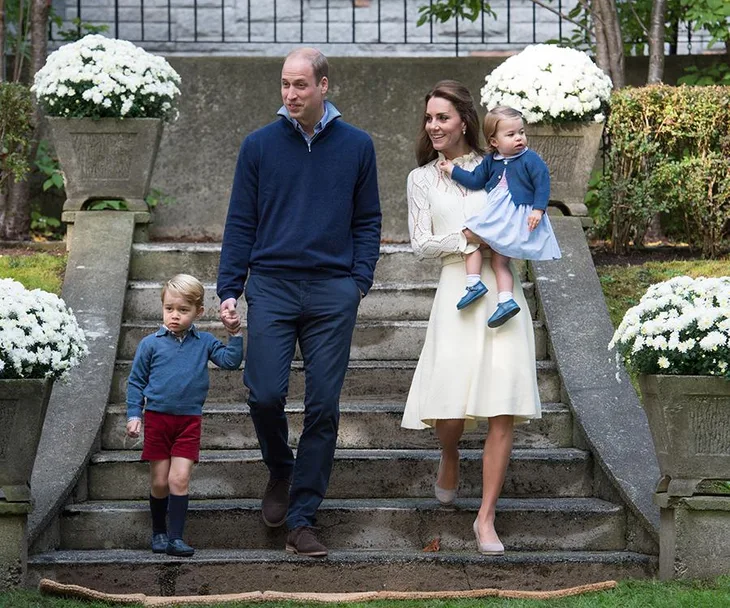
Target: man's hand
{"points": [[229, 317], [134, 427], [534, 218]]}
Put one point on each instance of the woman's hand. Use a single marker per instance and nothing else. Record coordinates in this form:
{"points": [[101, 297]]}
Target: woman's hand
{"points": [[534, 218], [472, 238]]}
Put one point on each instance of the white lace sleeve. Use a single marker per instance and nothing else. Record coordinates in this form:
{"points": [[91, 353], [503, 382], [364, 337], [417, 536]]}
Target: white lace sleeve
{"points": [[424, 242]]}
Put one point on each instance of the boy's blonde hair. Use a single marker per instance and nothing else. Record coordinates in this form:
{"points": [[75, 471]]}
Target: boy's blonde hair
{"points": [[187, 286], [491, 122]]}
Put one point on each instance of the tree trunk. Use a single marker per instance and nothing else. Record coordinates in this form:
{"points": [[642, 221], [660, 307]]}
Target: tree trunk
{"points": [[16, 220], [15, 213], [2, 40], [602, 54], [39, 34], [609, 45], [612, 27], [656, 42]]}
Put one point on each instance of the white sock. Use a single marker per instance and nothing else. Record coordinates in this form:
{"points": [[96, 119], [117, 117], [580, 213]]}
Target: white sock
{"points": [[472, 279], [504, 296]]}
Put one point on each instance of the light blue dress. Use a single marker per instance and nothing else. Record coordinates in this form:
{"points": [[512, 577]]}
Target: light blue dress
{"points": [[503, 226]]}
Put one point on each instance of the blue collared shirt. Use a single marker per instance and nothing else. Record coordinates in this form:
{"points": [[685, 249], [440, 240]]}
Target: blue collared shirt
{"points": [[170, 374], [330, 113]]}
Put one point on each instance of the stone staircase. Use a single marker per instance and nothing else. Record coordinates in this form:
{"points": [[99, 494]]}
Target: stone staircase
{"points": [[380, 511]]}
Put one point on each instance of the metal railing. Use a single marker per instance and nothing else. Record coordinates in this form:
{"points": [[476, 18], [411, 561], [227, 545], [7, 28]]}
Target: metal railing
{"points": [[377, 23]]}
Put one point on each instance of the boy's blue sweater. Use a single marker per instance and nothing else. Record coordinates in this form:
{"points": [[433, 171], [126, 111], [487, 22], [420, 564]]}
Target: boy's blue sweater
{"points": [[528, 178], [300, 211], [172, 376]]}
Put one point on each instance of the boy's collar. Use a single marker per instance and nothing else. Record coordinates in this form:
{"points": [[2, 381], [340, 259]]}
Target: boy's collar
{"points": [[192, 330]]}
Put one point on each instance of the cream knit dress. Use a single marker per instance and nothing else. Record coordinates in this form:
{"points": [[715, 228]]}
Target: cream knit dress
{"points": [[466, 370]]}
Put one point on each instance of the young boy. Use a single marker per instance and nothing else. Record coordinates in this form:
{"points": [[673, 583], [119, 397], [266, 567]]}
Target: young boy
{"points": [[169, 380]]}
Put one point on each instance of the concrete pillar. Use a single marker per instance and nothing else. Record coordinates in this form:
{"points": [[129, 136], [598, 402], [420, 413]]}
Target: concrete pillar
{"points": [[13, 544], [693, 536]]}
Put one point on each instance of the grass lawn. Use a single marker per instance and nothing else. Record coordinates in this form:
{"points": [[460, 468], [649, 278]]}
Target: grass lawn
{"points": [[43, 270], [629, 594], [623, 285]]}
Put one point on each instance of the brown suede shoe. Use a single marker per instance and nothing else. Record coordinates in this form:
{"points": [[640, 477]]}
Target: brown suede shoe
{"points": [[275, 502], [304, 541]]}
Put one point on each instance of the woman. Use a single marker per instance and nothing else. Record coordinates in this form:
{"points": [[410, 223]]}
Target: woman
{"points": [[466, 371]]}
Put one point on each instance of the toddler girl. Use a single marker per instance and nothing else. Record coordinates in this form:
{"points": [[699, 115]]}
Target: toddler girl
{"points": [[517, 181]]}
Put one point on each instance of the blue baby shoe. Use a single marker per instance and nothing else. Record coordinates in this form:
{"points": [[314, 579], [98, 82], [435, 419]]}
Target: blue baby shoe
{"points": [[473, 293], [505, 311], [159, 543]]}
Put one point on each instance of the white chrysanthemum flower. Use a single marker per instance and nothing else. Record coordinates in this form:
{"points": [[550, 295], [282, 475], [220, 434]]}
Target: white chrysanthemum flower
{"points": [[549, 81], [39, 335], [93, 77], [684, 315]]}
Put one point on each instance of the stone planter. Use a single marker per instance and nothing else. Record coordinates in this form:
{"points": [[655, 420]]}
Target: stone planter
{"points": [[106, 158], [23, 405], [689, 419], [570, 152]]}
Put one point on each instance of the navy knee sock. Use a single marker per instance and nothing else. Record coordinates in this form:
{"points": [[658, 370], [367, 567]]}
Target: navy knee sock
{"points": [[158, 507], [177, 510]]}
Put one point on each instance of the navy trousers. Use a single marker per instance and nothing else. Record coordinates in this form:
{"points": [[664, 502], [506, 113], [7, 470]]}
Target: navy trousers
{"points": [[321, 316]]}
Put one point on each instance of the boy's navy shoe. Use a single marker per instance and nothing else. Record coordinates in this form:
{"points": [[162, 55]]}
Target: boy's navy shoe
{"points": [[179, 548], [159, 543], [505, 311], [473, 293]]}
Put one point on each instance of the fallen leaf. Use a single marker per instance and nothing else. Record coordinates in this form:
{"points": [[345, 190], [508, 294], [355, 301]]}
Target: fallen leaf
{"points": [[433, 546]]}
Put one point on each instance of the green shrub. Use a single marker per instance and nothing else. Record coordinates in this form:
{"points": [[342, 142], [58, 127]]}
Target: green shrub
{"points": [[669, 151], [16, 128]]}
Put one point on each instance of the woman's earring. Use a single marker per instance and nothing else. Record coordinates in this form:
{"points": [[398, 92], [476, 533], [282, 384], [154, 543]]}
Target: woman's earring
{"points": [[463, 130]]}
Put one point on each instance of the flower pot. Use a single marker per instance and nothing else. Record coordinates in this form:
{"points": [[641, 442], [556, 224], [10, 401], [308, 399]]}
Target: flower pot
{"points": [[23, 405], [570, 152], [106, 158], [689, 419]]}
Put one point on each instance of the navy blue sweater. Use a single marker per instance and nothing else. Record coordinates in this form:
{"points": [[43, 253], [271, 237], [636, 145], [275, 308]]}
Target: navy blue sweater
{"points": [[172, 376], [528, 178], [302, 212]]}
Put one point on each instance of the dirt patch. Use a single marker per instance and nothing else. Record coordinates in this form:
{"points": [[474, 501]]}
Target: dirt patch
{"points": [[57, 248], [602, 256]]}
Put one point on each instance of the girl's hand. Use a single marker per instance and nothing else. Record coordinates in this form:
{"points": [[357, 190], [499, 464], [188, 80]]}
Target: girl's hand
{"points": [[134, 427], [534, 218], [446, 166]]}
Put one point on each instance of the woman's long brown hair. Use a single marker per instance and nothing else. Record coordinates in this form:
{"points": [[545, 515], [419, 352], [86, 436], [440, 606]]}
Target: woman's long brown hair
{"points": [[461, 99]]}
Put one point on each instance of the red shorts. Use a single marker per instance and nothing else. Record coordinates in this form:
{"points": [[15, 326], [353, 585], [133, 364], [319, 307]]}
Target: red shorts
{"points": [[167, 435]]}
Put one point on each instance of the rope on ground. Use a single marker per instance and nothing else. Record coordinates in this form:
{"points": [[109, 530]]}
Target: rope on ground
{"points": [[50, 587]]}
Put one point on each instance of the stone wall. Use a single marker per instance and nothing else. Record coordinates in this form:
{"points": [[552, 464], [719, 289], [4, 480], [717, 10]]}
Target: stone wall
{"points": [[225, 98]]}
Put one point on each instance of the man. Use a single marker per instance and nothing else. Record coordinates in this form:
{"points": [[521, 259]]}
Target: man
{"points": [[304, 225]]}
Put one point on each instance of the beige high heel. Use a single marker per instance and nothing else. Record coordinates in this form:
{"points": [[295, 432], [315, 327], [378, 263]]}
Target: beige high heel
{"points": [[487, 548], [445, 497]]}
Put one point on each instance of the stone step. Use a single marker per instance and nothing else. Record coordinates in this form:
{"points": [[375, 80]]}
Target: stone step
{"points": [[371, 340], [385, 301], [363, 425], [533, 473], [364, 380], [233, 571], [563, 524], [159, 261]]}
